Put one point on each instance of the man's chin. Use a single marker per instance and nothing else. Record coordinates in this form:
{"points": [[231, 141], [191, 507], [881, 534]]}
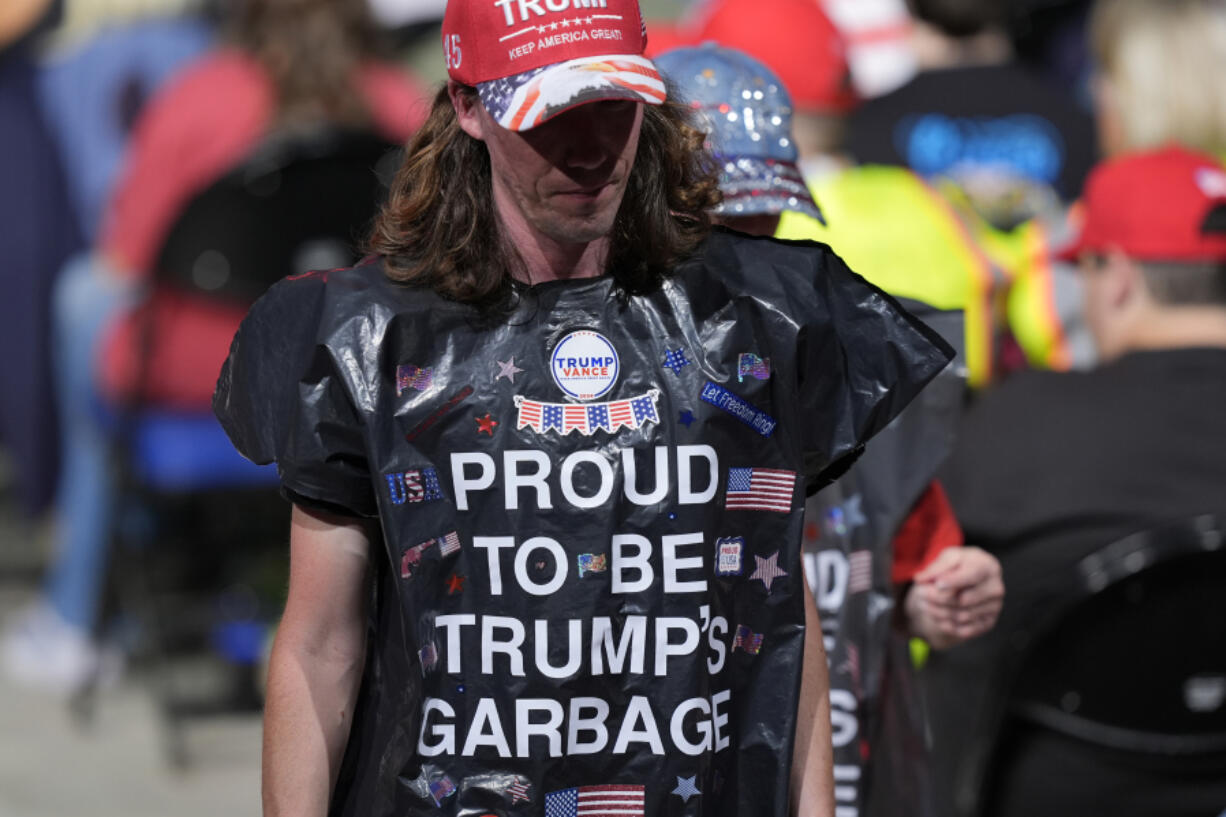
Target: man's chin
{"points": [[580, 228]]}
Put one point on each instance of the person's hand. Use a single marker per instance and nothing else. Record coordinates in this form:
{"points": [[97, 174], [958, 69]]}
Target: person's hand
{"points": [[956, 598]]}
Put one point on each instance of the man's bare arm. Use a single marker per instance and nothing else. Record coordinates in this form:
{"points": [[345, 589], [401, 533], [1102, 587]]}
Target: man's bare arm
{"points": [[813, 757], [316, 664]]}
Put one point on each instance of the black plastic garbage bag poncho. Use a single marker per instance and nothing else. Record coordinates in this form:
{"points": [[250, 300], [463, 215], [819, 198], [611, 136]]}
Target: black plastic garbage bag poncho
{"points": [[590, 591]]}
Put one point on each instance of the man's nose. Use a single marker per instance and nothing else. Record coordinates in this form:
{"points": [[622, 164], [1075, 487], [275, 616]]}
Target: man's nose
{"points": [[587, 140]]}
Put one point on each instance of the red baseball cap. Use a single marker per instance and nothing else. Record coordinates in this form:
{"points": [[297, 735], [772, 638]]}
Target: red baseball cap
{"points": [[531, 60], [1154, 206], [796, 40]]}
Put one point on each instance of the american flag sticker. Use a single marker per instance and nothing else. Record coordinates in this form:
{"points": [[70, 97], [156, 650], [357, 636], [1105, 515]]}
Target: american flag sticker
{"points": [[593, 563], [760, 489], [409, 376], [747, 640], [860, 571], [449, 544], [429, 657], [440, 790], [750, 365], [564, 418], [596, 801]]}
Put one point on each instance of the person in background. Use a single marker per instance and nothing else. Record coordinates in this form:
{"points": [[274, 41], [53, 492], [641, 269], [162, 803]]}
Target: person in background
{"points": [[1014, 146], [283, 65], [37, 233], [94, 86], [937, 249], [1158, 74], [885, 516], [1087, 459], [1006, 153]]}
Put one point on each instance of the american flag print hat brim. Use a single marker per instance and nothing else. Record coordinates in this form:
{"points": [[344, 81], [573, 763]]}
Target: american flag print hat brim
{"points": [[523, 101]]}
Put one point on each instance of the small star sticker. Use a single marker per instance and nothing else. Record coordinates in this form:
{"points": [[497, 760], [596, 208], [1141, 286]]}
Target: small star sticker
{"points": [[566, 24], [768, 570], [854, 516], [672, 516], [675, 360], [686, 788], [507, 369], [587, 20], [455, 584], [486, 424], [686, 418], [519, 791], [553, 27]]}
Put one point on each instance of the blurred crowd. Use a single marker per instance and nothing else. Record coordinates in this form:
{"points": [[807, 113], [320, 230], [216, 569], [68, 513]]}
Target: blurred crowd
{"points": [[1020, 583]]}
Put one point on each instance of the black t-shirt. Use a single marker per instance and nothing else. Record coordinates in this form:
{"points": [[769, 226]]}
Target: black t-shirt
{"points": [[1061, 464], [590, 595], [982, 127], [1050, 468]]}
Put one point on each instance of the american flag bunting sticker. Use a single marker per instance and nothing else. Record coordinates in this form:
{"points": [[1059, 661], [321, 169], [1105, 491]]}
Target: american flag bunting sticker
{"points": [[564, 418], [596, 801], [760, 489]]}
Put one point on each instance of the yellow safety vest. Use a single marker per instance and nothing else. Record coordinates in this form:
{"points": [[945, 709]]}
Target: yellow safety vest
{"points": [[899, 232]]}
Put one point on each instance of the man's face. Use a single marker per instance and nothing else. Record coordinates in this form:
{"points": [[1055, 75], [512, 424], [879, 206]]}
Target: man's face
{"points": [[563, 180]]}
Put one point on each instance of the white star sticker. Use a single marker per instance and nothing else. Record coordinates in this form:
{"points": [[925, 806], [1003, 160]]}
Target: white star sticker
{"points": [[507, 369], [566, 24], [768, 570], [686, 788], [553, 27]]}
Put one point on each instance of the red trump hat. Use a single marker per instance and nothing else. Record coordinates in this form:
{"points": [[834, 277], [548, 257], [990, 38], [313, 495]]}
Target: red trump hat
{"points": [[530, 60], [1162, 205], [795, 39]]}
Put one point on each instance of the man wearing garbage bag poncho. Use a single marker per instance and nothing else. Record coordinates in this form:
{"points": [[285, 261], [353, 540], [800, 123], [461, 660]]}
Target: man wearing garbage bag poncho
{"points": [[548, 451]]}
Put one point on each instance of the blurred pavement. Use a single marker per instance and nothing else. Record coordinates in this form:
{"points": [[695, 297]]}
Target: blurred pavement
{"points": [[52, 766]]}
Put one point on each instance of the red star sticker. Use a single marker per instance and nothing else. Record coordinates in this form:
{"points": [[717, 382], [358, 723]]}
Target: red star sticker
{"points": [[486, 424], [455, 584]]}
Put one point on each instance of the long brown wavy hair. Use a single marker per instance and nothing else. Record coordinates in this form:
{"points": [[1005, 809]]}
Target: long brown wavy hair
{"points": [[439, 229], [312, 51]]}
